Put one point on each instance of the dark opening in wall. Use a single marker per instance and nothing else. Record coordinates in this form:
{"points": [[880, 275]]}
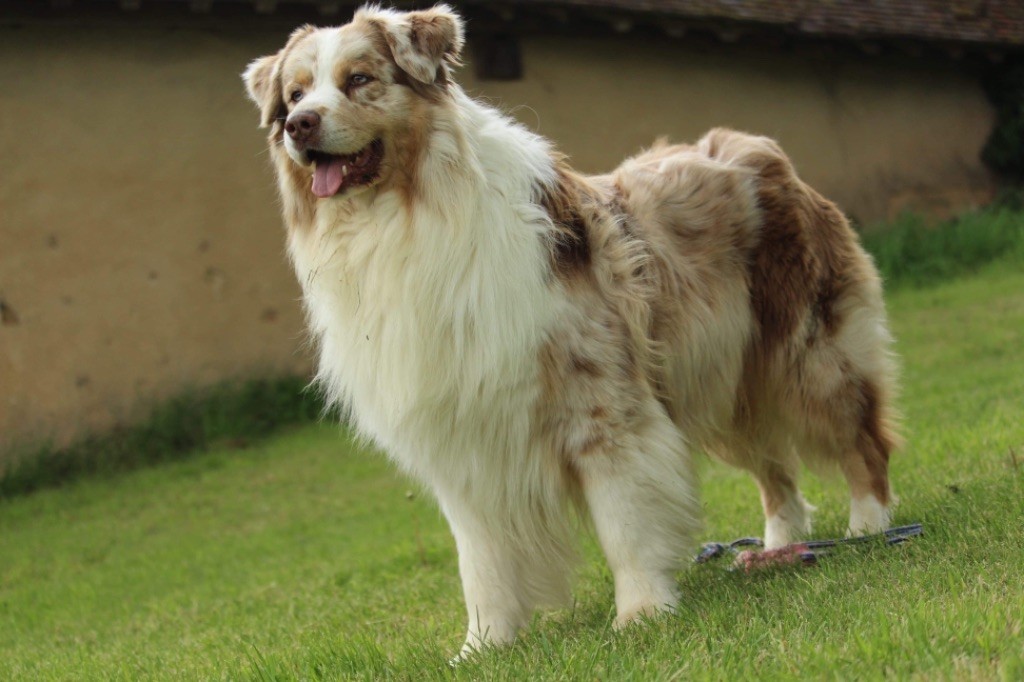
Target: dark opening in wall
{"points": [[497, 57], [1004, 151]]}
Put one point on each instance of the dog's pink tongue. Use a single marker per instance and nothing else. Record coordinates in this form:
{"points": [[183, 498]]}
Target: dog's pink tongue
{"points": [[327, 177]]}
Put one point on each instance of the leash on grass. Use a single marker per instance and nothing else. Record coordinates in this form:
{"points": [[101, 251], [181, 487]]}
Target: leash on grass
{"points": [[806, 553]]}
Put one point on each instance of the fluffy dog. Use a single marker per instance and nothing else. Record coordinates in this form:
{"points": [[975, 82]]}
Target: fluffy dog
{"points": [[524, 339]]}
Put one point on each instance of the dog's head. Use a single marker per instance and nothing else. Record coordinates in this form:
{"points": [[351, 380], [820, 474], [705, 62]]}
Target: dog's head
{"points": [[341, 100]]}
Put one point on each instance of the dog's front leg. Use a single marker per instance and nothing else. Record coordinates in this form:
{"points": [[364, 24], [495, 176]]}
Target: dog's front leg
{"points": [[490, 570], [640, 494]]}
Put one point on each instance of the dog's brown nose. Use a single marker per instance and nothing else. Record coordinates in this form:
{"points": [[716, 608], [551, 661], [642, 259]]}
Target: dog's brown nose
{"points": [[303, 126]]}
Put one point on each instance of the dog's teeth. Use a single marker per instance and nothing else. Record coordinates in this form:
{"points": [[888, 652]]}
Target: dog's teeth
{"points": [[344, 169]]}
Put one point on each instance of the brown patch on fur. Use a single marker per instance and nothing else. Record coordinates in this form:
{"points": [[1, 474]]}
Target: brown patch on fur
{"points": [[405, 153], [366, 64], [566, 428], [780, 272], [302, 78], [432, 92], [581, 365], [385, 45], [875, 442], [570, 243], [699, 221], [781, 267], [571, 248], [603, 267], [839, 261], [432, 34], [594, 444], [798, 267], [777, 485], [586, 398]]}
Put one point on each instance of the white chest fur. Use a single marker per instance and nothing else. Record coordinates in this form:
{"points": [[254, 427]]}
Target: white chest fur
{"points": [[429, 319]]}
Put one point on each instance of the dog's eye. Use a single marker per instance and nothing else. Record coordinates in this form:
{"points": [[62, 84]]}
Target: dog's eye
{"points": [[296, 95], [358, 79]]}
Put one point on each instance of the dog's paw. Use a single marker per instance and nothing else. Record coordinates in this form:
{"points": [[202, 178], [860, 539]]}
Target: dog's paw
{"points": [[791, 524], [642, 614], [867, 516]]}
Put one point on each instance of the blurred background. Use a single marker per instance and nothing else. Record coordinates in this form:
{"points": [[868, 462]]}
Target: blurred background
{"points": [[141, 249]]}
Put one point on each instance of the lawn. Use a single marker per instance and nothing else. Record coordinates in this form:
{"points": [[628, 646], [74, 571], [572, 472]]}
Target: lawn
{"points": [[302, 556]]}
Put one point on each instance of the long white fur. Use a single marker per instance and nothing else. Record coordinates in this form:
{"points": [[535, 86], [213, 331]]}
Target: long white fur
{"points": [[429, 325]]}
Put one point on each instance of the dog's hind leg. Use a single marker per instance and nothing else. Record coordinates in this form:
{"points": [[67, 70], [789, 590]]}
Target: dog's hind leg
{"points": [[639, 488], [869, 506], [787, 514], [866, 466]]}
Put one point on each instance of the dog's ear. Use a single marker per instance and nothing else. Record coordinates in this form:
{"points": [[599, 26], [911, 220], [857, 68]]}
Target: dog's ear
{"points": [[263, 79], [263, 82], [423, 42]]}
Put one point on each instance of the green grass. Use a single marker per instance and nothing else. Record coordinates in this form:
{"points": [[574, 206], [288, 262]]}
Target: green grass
{"points": [[303, 557], [911, 252]]}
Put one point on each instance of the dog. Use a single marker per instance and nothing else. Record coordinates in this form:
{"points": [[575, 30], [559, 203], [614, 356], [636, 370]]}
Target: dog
{"points": [[527, 341]]}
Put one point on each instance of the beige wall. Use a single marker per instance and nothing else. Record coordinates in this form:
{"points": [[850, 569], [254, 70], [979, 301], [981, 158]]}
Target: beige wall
{"points": [[142, 251], [876, 135], [140, 246]]}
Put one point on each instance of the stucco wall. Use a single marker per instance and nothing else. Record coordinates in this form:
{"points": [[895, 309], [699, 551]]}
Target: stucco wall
{"points": [[140, 246], [875, 134], [142, 251]]}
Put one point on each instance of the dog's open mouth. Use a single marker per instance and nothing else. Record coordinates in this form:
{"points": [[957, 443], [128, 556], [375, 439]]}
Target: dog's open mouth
{"points": [[335, 172]]}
